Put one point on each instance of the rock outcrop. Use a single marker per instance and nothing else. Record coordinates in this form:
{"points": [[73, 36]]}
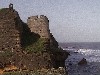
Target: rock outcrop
{"points": [[82, 62]]}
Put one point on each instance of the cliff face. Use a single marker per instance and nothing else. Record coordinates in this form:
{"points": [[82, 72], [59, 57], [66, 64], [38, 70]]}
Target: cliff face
{"points": [[28, 46]]}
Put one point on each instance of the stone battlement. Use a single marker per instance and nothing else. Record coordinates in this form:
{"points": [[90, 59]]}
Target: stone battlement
{"points": [[38, 17]]}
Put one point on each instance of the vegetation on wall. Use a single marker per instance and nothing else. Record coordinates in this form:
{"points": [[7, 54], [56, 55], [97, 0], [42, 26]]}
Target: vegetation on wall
{"points": [[36, 46], [32, 42]]}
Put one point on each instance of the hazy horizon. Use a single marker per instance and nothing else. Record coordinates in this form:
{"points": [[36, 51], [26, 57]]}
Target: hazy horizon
{"points": [[70, 20]]}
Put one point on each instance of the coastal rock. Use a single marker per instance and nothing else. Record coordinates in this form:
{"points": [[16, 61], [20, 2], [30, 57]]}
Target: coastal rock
{"points": [[58, 58], [82, 62], [58, 55]]}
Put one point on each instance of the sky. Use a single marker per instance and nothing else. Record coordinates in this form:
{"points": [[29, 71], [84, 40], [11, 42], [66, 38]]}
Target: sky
{"points": [[69, 20]]}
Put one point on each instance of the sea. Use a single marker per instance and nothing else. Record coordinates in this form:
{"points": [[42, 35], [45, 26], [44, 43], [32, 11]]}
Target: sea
{"points": [[79, 50]]}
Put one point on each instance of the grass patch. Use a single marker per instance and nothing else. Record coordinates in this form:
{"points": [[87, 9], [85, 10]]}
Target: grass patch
{"points": [[31, 42], [36, 46]]}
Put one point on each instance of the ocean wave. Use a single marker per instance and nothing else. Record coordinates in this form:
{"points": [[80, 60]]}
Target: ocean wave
{"points": [[93, 58], [91, 55]]}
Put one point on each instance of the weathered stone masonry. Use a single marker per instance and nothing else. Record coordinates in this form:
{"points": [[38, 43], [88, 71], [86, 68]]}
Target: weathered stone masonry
{"points": [[10, 29], [39, 25]]}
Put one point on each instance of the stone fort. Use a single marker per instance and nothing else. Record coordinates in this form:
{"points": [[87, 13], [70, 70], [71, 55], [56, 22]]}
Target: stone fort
{"points": [[13, 31], [11, 28]]}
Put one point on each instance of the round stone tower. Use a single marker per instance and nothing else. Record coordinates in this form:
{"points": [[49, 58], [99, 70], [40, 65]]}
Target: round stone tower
{"points": [[39, 25]]}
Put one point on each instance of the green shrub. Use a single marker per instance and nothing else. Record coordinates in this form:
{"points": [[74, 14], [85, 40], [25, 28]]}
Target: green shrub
{"points": [[36, 47], [31, 42]]}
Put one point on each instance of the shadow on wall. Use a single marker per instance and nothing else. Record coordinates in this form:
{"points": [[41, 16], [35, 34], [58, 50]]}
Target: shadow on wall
{"points": [[28, 37]]}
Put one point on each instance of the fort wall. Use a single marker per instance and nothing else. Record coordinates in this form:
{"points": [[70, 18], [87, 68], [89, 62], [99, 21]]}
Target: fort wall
{"points": [[10, 30]]}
